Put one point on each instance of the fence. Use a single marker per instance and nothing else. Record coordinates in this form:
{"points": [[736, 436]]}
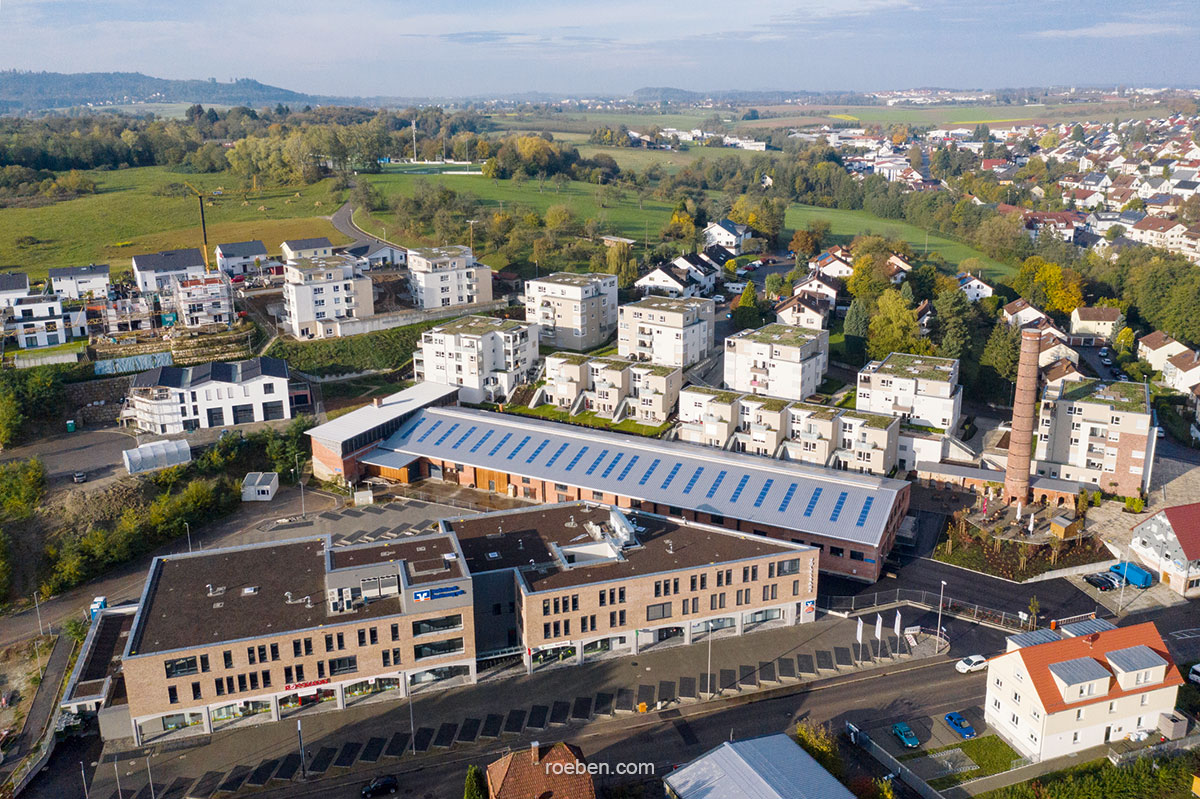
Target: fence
{"points": [[1164, 748], [928, 599], [903, 772]]}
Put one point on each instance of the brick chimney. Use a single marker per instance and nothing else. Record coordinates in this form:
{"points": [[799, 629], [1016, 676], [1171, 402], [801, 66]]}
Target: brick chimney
{"points": [[1020, 440], [377, 402], [535, 751]]}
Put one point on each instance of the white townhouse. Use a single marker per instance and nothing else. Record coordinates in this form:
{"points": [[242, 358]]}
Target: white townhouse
{"points": [[295, 249], [447, 276], [80, 282], [484, 356], [173, 399], [777, 360], [241, 257], [154, 271], [38, 320]]}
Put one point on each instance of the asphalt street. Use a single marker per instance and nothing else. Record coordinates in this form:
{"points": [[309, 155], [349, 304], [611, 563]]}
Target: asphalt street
{"points": [[94, 452]]}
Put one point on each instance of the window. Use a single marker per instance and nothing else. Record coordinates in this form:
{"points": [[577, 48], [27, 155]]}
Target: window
{"points": [[287, 675], [1075, 737], [1145, 699], [219, 686], [1016, 698], [1078, 717], [180, 667], [999, 683], [299, 672], [266, 678], [659, 611], [228, 658], [172, 695], [204, 663], [621, 596], [362, 637], [254, 681], [1014, 719], [274, 652], [438, 648], [195, 690], [320, 669], [855, 555], [546, 630], [329, 642], [341, 642], [1036, 714], [396, 631], [786, 567], [995, 704], [343, 665], [837, 552], [308, 646], [241, 682]]}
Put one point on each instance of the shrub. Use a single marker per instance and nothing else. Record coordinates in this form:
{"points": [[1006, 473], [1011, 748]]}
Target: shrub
{"points": [[820, 743], [1135, 504]]}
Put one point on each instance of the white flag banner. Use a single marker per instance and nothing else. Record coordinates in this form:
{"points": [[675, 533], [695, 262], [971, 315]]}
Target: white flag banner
{"points": [[859, 636], [896, 627], [878, 627]]}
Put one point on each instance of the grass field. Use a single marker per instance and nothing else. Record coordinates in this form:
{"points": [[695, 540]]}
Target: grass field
{"points": [[799, 116], [845, 225], [126, 218], [586, 123], [671, 161]]}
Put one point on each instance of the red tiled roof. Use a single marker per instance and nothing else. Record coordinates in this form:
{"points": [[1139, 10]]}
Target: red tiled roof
{"points": [[1155, 223], [1185, 361], [1153, 341], [1060, 369], [519, 775], [1098, 313], [1040, 657], [1185, 522]]}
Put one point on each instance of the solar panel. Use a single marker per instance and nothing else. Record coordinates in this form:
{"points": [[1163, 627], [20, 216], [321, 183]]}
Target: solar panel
{"points": [[557, 453], [837, 509], [575, 460], [627, 468], [538, 451], [503, 440], [671, 475], [409, 430], [758, 501], [737, 492], [692, 480], [465, 436], [787, 498], [429, 432], [517, 448], [612, 465], [712, 490], [653, 465], [866, 509], [603, 454], [812, 501], [481, 441], [446, 434]]}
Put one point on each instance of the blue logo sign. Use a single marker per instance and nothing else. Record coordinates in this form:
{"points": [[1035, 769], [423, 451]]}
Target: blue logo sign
{"points": [[427, 594]]}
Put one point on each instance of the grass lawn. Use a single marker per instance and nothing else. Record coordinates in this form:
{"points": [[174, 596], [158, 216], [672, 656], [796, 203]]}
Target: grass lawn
{"points": [[845, 225], [125, 218], [586, 123], [990, 753], [625, 217], [1157, 777], [587, 419], [849, 400], [829, 385], [996, 115], [384, 350], [57, 349]]}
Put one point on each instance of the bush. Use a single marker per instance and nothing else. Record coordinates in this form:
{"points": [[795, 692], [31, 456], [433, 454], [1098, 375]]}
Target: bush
{"points": [[821, 744], [1135, 504]]}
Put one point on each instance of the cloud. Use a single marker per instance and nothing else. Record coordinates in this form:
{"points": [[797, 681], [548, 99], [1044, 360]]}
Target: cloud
{"points": [[1115, 30]]}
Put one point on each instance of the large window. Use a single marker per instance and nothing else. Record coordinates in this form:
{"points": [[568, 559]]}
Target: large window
{"points": [[439, 625], [180, 667], [345, 665], [659, 611], [786, 567], [438, 648]]}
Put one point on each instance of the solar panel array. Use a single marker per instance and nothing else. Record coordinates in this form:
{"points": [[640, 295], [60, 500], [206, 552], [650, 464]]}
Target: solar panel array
{"points": [[834, 504]]}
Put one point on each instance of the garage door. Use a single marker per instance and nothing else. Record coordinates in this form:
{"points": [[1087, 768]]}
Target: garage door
{"points": [[243, 414], [272, 410], [216, 417]]}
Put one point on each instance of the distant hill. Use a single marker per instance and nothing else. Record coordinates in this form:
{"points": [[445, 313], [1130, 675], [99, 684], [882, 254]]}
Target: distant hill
{"points": [[35, 91]]}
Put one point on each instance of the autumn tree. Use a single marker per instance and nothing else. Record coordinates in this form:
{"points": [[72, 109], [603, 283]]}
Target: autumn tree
{"points": [[869, 279], [894, 328], [804, 245]]}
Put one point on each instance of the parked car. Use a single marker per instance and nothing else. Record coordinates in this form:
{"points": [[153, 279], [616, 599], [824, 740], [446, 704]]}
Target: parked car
{"points": [[1133, 573], [1106, 361], [719, 299], [960, 725], [1160, 433], [79, 477], [1194, 674], [1104, 352], [904, 734], [381, 786], [971, 663], [1101, 581]]}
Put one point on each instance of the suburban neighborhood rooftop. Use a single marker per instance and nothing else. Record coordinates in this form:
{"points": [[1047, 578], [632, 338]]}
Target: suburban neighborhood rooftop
{"points": [[922, 367], [784, 335], [1120, 396]]}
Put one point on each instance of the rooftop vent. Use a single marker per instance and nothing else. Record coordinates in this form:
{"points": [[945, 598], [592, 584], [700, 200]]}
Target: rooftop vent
{"points": [[218, 605], [493, 556], [250, 590], [214, 591], [670, 546], [570, 522]]}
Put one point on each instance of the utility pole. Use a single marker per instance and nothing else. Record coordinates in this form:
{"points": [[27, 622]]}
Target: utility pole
{"points": [[117, 774], [414, 131], [941, 594], [300, 735], [38, 609], [83, 776], [411, 724], [150, 777], [188, 528], [472, 222], [300, 482], [708, 672]]}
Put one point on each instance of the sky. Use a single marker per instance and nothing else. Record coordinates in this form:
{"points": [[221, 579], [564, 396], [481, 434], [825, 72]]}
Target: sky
{"points": [[475, 47]]}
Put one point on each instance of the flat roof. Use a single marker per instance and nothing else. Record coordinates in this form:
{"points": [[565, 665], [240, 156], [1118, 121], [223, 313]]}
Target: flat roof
{"points": [[841, 505], [479, 325], [428, 558], [1119, 395], [677, 304], [367, 417], [573, 278], [437, 253], [923, 367], [776, 333], [259, 479]]}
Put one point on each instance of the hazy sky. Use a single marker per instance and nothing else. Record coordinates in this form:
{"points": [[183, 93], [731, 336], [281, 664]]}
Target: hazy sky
{"points": [[456, 47]]}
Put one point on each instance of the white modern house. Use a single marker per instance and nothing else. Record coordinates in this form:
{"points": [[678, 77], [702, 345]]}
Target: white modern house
{"points": [[920, 389], [154, 271], [13, 286], [573, 311], [241, 257], [204, 301], [727, 234], [173, 399], [777, 360], [80, 282], [319, 292], [295, 249], [975, 288], [484, 356], [38, 320], [446, 276], [1059, 692], [1169, 543], [667, 331]]}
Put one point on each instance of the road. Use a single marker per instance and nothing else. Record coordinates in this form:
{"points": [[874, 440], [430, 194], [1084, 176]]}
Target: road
{"points": [[343, 222]]}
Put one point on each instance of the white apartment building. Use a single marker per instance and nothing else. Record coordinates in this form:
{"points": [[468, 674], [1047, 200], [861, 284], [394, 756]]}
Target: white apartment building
{"points": [[155, 271], [1158, 231], [444, 276], [485, 356], [820, 435], [319, 292], [296, 249], [38, 320], [241, 257], [920, 389], [613, 388], [667, 331], [778, 360], [172, 399], [204, 301], [573, 311], [80, 282], [1059, 692], [1098, 433]]}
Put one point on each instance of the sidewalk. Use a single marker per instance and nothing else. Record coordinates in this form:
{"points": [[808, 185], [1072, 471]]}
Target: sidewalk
{"points": [[550, 703], [44, 702]]}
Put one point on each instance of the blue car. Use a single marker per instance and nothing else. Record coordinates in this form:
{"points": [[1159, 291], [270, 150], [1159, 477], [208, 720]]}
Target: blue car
{"points": [[905, 735], [960, 725]]}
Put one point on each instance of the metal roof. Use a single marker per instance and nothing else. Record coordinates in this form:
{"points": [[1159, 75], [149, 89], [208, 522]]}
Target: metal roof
{"points": [[169, 260], [368, 417], [770, 767], [90, 270], [1079, 670], [851, 507], [1086, 627], [1135, 658], [14, 281], [259, 479], [1033, 638], [219, 372], [318, 243], [242, 249], [388, 459]]}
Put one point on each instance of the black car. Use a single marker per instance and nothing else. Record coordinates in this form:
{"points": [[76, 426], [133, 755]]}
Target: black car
{"points": [[1102, 581], [381, 786]]}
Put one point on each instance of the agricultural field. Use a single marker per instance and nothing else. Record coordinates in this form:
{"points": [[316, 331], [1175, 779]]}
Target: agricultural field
{"points": [[845, 225], [125, 217], [670, 160], [586, 123]]}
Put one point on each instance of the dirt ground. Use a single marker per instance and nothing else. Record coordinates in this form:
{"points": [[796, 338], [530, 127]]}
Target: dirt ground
{"points": [[18, 675]]}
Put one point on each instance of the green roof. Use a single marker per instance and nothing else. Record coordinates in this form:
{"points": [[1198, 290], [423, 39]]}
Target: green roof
{"points": [[571, 357], [819, 411], [478, 325], [923, 367], [767, 403], [721, 396], [668, 303], [880, 420], [571, 278], [1120, 396], [657, 370], [787, 335]]}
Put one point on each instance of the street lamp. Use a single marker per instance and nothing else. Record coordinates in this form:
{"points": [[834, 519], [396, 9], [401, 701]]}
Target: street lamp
{"points": [[83, 776], [150, 777], [941, 593], [708, 673], [300, 482], [188, 528]]}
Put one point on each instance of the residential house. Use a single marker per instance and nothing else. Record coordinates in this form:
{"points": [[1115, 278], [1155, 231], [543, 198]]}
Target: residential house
{"points": [[295, 249], [447, 276], [320, 292], [925, 316], [920, 389], [80, 282], [777, 360], [172, 399], [804, 310], [1182, 372], [975, 288], [485, 356], [241, 257], [1059, 371], [1054, 349], [573, 311], [204, 301], [1156, 348], [38, 320], [1157, 231], [769, 767], [727, 234], [612, 388], [827, 287], [13, 286], [375, 254], [836, 263], [544, 772], [667, 331], [1020, 313], [155, 271], [669, 280], [1093, 326], [1168, 543]]}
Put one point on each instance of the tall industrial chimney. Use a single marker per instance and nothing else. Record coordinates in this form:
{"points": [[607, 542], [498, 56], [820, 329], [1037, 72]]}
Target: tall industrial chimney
{"points": [[1020, 440]]}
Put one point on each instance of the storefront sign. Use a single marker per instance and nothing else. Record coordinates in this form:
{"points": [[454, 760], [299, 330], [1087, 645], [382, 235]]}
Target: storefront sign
{"points": [[810, 606], [299, 686], [437, 593]]}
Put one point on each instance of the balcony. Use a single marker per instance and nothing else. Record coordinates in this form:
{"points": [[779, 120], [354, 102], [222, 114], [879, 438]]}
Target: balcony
{"points": [[758, 370]]}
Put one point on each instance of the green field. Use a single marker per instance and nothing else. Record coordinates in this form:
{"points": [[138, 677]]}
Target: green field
{"points": [[125, 218], [670, 160], [933, 116], [625, 217], [586, 123], [845, 225]]}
